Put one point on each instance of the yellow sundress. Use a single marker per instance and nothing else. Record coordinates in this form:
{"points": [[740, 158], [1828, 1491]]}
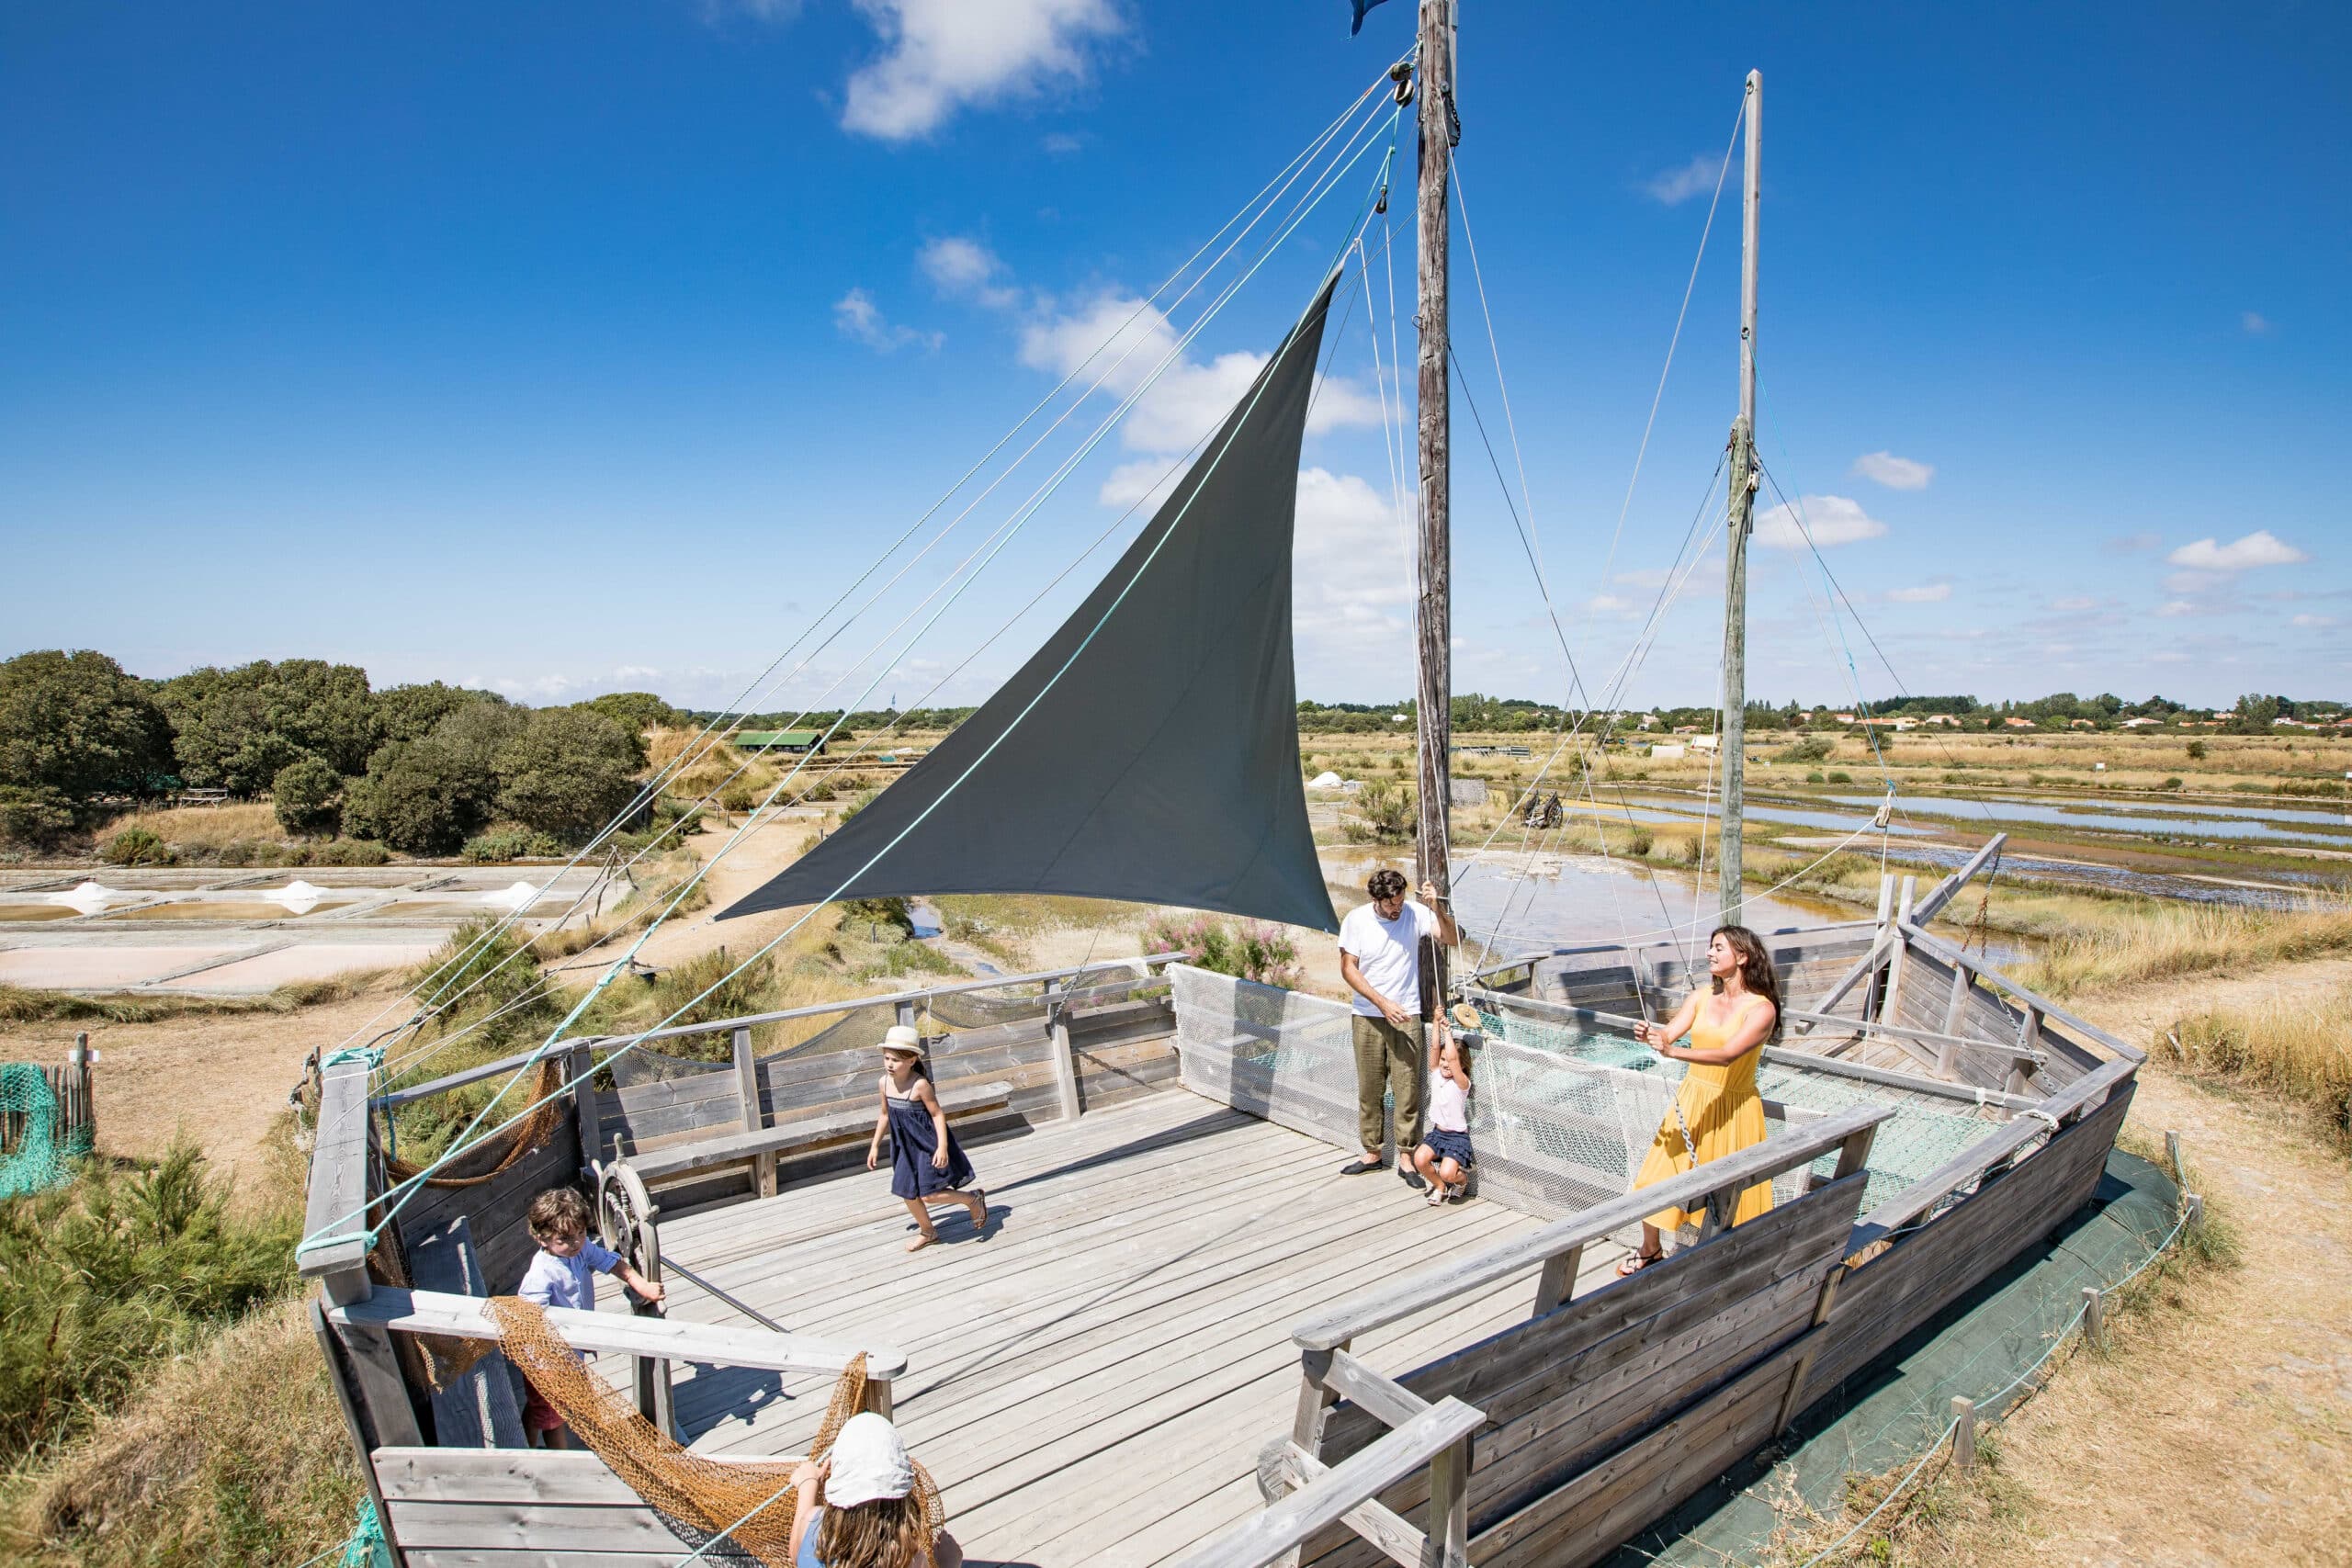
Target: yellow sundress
{"points": [[1725, 1114]]}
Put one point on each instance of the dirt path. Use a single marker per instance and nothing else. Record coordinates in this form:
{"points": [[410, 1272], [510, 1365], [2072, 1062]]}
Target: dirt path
{"points": [[2220, 1430]]}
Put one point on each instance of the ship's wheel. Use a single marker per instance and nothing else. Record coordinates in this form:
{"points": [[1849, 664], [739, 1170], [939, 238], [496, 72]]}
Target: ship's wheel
{"points": [[625, 1219]]}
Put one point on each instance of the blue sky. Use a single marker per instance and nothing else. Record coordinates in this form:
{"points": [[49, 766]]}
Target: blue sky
{"points": [[571, 347]]}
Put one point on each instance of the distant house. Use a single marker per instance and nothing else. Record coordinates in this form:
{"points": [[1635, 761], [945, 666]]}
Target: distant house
{"points": [[2019, 724], [1649, 721], [2081, 724], [1685, 729], [798, 742], [1944, 720]]}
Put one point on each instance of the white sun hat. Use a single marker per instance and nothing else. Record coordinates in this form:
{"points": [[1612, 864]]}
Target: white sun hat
{"points": [[902, 1038], [870, 1463]]}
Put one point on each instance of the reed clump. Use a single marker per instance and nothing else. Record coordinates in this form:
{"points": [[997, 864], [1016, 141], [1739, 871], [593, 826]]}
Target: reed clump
{"points": [[2285, 1049], [2160, 941]]}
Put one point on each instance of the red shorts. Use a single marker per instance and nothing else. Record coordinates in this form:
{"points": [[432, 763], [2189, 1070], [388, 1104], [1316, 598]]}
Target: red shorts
{"points": [[538, 1416]]}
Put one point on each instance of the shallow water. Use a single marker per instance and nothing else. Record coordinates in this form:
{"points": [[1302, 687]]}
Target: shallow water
{"points": [[2150, 820]]}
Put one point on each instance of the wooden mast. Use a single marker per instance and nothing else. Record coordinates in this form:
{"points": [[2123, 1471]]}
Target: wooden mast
{"points": [[1744, 476], [1433, 620]]}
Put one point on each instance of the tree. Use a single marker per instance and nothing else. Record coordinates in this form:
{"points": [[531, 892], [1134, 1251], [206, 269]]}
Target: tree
{"points": [[636, 712], [409, 713], [308, 796], [568, 773], [237, 727], [74, 729], [429, 796], [2254, 714]]}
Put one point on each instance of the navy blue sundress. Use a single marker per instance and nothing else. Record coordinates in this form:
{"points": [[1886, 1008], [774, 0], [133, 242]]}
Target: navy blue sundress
{"points": [[912, 1142]]}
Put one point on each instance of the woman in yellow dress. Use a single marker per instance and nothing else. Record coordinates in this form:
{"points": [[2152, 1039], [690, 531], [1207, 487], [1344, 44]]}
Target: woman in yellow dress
{"points": [[1720, 1110]]}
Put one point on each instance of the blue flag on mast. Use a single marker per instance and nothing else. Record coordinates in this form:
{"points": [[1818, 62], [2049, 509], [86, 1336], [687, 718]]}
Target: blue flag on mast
{"points": [[1360, 6]]}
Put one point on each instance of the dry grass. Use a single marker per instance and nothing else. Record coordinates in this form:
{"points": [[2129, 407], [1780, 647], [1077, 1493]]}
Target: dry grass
{"points": [[2151, 941], [2291, 1050], [203, 826], [233, 1454], [20, 1005]]}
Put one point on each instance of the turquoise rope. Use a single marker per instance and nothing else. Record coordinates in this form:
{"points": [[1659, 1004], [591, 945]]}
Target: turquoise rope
{"points": [[401, 1193]]}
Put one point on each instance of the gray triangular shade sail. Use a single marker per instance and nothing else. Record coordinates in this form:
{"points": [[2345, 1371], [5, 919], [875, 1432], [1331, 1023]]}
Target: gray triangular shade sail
{"points": [[1150, 749]]}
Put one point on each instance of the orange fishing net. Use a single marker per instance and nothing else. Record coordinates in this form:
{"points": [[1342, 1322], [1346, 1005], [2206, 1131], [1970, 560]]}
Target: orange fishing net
{"points": [[698, 1497], [497, 1153]]}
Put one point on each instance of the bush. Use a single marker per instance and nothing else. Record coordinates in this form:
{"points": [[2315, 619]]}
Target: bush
{"points": [[34, 815], [108, 1276], [1817, 776], [135, 846], [569, 773], [2169, 783], [1811, 749], [1250, 950], [1384, 813], [347, 851], [740, 797], [2196, 750], [307, 796], [878, 911], [1638, 844], [237, 727], [510, 843], [1838, 776]]}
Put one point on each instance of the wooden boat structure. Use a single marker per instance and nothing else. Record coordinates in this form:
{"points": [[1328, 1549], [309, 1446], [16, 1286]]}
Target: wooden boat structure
{"points": [[1192, 1341], [1185, 1338]]}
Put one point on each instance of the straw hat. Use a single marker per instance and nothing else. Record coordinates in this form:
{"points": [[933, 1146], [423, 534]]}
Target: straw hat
{"points": [[902, 1038]]}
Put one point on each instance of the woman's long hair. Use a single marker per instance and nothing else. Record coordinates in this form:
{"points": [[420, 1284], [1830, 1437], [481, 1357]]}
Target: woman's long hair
{"points": [[1754, 969], [889, 1532]]}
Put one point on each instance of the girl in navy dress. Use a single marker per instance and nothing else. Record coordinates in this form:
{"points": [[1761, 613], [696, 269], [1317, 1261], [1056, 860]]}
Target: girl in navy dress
{"points": [[927, 1164]]}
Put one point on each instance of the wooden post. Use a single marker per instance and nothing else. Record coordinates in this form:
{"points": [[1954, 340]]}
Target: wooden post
{"points": [[1559, 1280], [2192, 1211], [1732, 736], [82, 1110], [654, 1399], [1963, 1433], [1955, 1010], [1433, 620], [747, 1097], [1064, 1059], [1448, 1545], [354, 1419], [1316, 1398], [2172, 1155], [586, 1118], [1878, 957], [2094, 1317], [2029, 1041], [1894, 960]]}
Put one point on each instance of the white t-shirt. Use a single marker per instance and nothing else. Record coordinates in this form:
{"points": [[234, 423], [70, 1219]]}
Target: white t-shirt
{"points": [[1388, 952]]}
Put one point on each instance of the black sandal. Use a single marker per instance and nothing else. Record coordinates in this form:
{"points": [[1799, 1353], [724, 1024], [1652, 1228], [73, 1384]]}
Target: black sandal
{"points": [[1633, 1263], [1362, 1167]]}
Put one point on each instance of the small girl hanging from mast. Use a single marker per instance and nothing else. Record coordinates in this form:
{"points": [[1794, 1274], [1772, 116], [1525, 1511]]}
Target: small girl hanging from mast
{"points": [[927, 1164]]}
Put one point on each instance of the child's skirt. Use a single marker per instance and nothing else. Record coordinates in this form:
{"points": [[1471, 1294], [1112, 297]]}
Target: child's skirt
{"points": [[1455, 1146]]}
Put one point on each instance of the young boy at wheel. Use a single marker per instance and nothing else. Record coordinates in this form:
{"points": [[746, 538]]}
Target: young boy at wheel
{"points": [[563, 1274]]}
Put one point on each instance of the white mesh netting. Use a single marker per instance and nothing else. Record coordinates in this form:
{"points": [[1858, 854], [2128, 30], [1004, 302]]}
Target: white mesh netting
{"points": [[1560, 1115]]}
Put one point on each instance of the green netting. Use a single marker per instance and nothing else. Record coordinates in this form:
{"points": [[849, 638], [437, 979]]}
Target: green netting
{"points": [[1987, 1346], [1912, 1142], [40, 1160]]}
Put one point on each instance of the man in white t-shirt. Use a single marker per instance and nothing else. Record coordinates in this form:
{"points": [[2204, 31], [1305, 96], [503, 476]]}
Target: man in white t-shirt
{"points": [[1380, 959]]}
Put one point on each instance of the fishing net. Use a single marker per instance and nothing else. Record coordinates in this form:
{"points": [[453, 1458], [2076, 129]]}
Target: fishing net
{"points": [[698, 1498], [38, 1157], [493, 1155]]}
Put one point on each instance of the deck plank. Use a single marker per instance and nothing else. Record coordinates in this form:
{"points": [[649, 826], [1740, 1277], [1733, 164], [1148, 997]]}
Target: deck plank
{"points": [[1091, 1383]]}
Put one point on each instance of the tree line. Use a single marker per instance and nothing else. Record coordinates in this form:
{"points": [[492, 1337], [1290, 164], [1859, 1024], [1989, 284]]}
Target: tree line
{"points": [[420, 767]]}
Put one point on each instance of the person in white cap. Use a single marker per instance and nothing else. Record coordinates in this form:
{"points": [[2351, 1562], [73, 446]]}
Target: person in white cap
{"points": [[873, 1514], [927, 1164]]}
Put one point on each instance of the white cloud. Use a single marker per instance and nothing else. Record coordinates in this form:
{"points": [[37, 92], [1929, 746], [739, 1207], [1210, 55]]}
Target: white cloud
{"points": [[856, 316], [2190, 582], [1611, 607], [2308, 620], [1061, 143], [2079, 602], [2255, 323], [1352, 605], [1933, 594], [2257, 548], [1673, 186], [1830, 519], [2175, 608], [1188, 399], [1146, 481], [1893, 472], [940, 55], [966, 268], [1648, 577]]}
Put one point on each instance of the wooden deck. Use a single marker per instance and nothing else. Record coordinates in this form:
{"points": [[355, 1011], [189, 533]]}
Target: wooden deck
{"points": [[1092, 1382]]}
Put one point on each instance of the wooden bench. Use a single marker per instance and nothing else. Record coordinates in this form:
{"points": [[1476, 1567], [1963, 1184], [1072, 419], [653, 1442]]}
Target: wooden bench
{"points": [[667, 1164]]}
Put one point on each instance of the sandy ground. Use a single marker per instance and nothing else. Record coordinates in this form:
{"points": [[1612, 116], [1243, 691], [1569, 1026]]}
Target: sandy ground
{"points": [[2218, 1428], [222, 1080]]}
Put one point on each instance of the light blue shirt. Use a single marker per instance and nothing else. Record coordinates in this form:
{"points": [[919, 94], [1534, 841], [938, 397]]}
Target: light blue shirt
{"points": [[571, 1281]]}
